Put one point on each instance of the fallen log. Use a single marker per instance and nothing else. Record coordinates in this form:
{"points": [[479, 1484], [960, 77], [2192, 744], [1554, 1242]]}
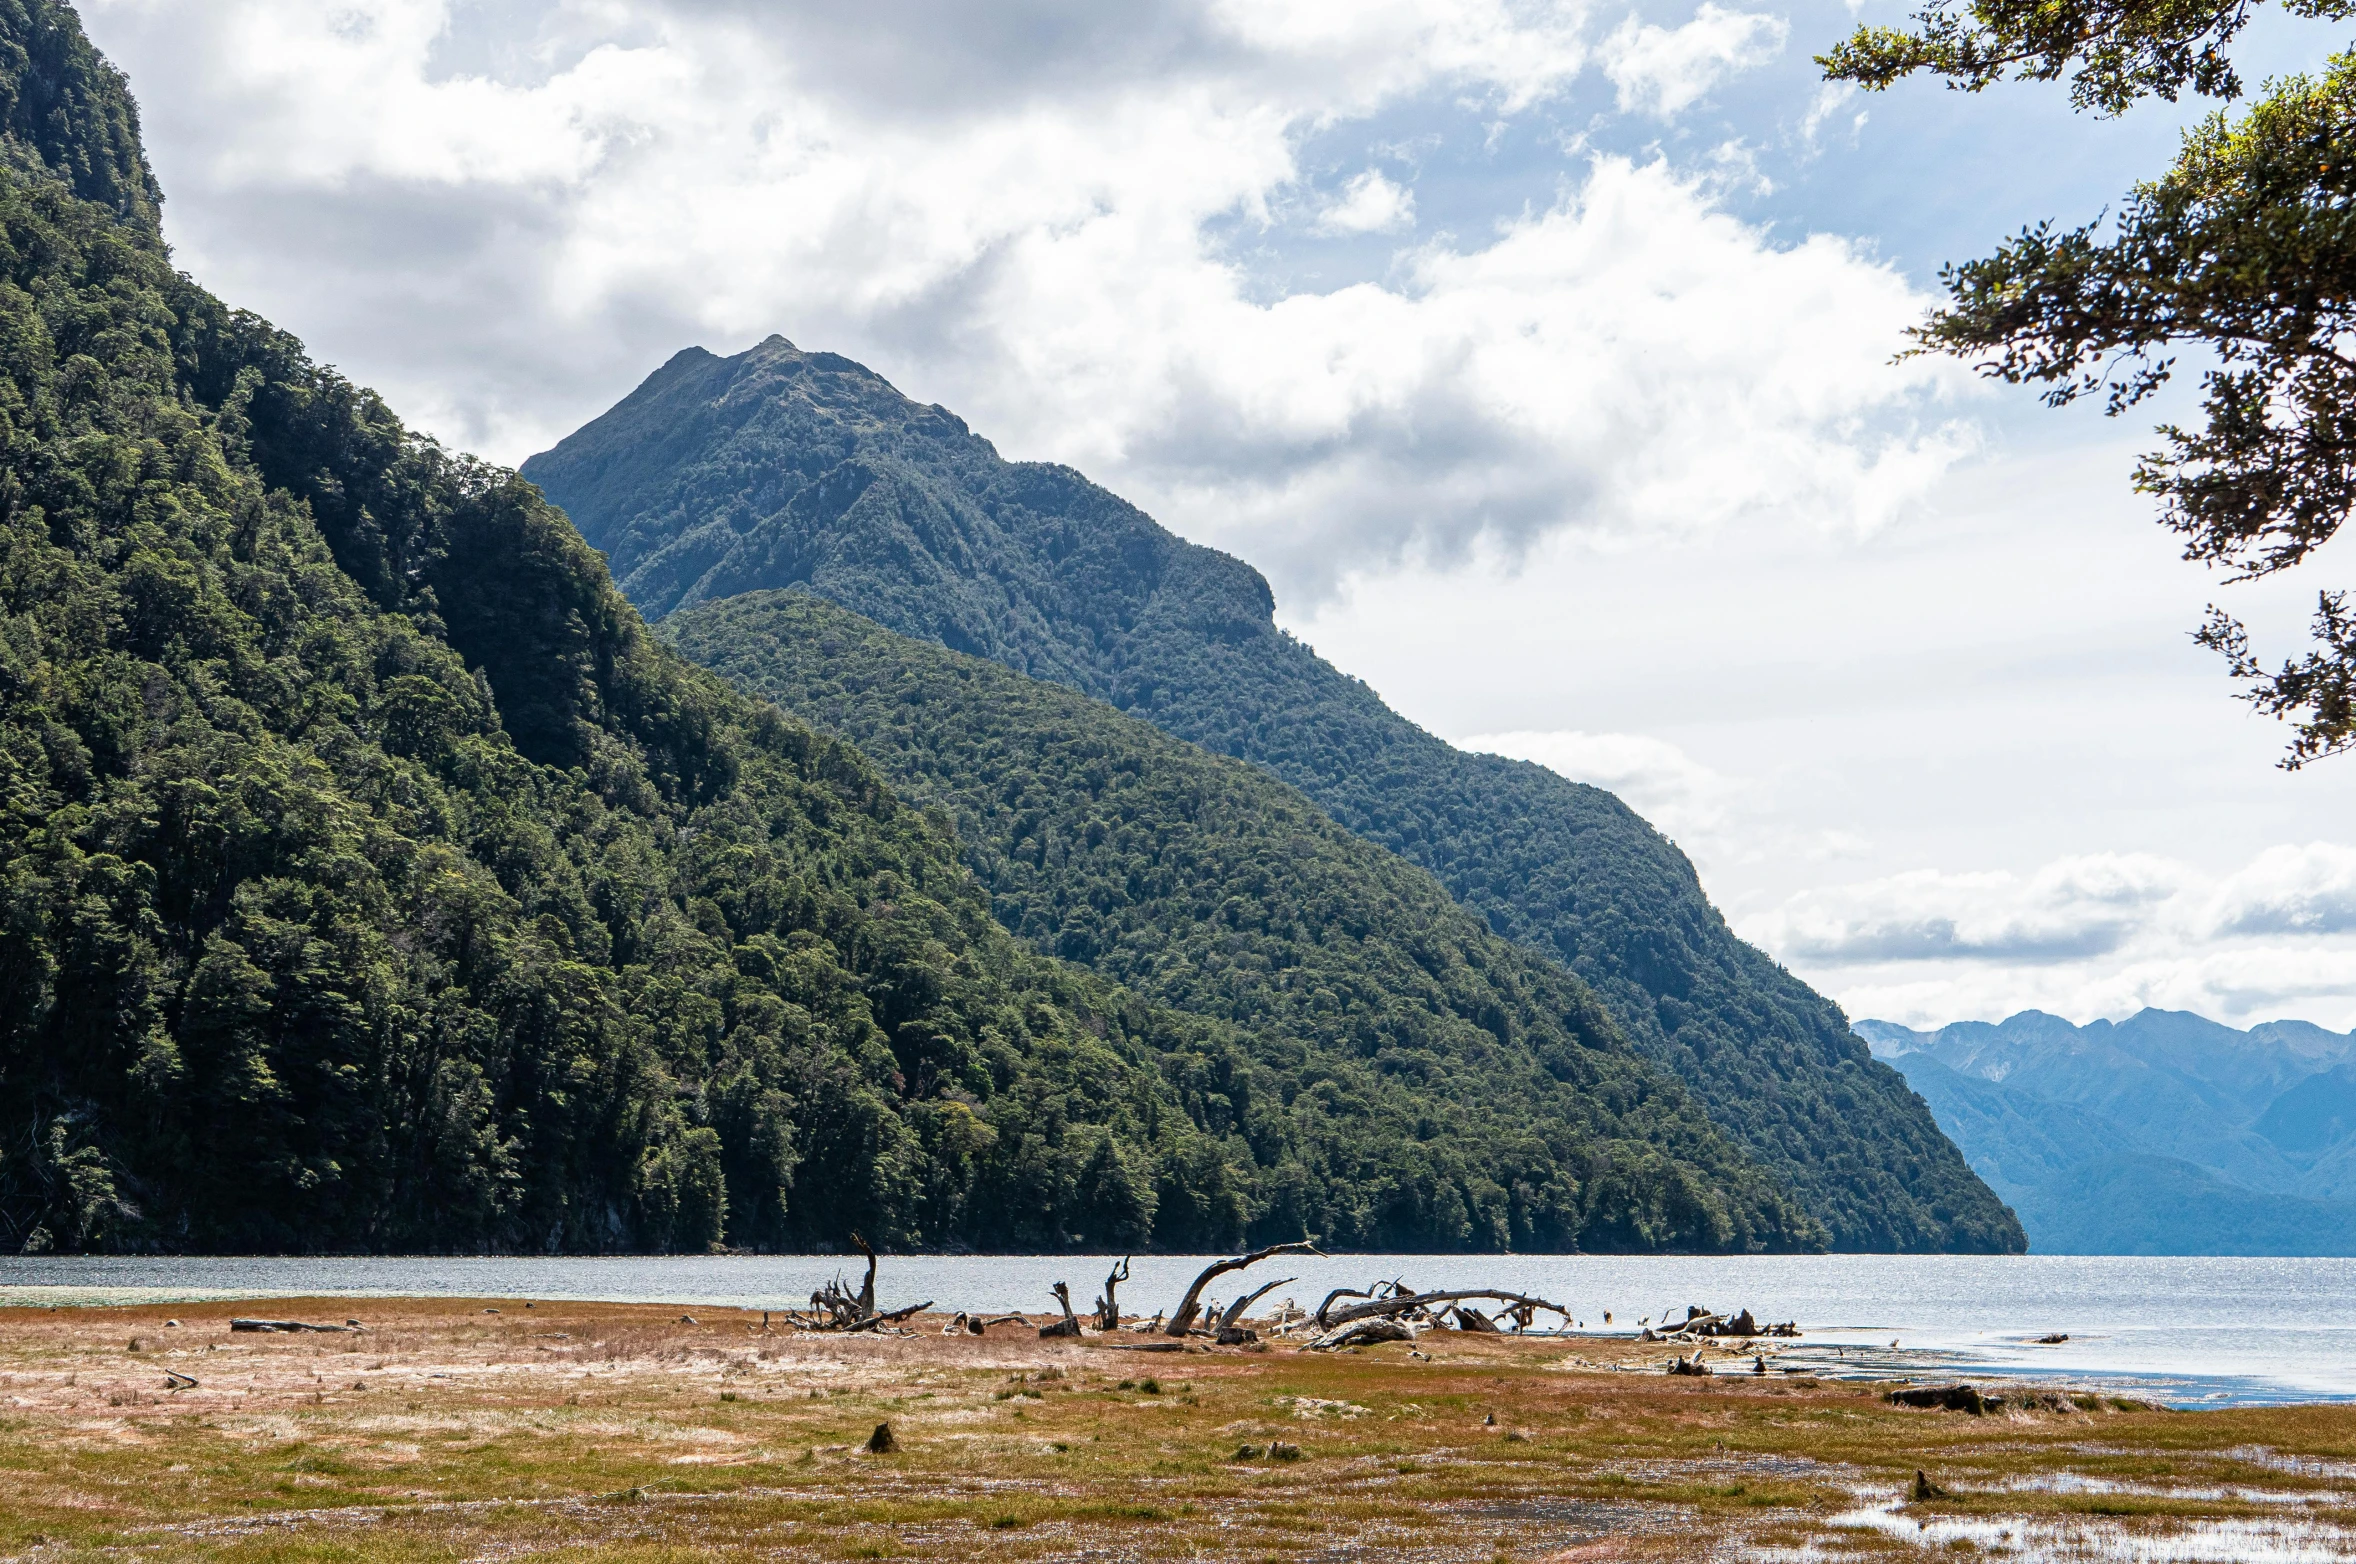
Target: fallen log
{"points": [[893, 1318], [1364, 1332], [1474, 1320], [1338, 1292], [1182, 1317], [1230, 1331], [1692, 1365], [289, 1325], [1424, 1300], [1235, 1310], [1701, 1323]]}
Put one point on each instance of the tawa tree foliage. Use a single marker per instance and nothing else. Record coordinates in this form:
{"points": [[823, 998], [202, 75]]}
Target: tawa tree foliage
{"points": [[2243, 252]]}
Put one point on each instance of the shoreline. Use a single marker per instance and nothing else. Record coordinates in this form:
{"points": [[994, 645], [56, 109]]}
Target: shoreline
{"points": [[2313, 1361]]}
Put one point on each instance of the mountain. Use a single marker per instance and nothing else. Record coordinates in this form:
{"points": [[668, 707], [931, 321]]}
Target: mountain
{"points": [[2140, 1204], [2161, 1134], [372, 879], [778, 468], [1200, 881]]}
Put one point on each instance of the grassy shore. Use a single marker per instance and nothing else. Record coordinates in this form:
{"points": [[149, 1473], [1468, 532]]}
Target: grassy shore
{"points": [[450, 1430]]}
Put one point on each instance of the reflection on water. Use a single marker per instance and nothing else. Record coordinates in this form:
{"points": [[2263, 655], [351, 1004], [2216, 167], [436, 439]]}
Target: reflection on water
{"points": [[2189, 1331]]}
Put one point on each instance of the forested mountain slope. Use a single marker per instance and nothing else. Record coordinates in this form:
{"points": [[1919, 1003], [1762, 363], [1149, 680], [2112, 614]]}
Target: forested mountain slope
{"points": [[777, 468], [372, 878], [1200, 881]]}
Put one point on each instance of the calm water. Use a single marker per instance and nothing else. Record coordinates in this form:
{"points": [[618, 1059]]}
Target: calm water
{"points": [[2192, 1332]]}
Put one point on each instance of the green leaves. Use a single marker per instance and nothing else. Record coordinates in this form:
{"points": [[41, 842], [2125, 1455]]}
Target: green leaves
{"points": [[2245, 253], [2113, 51]]}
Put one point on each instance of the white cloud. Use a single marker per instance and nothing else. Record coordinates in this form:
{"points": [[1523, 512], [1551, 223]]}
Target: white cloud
{"points": [[1717, 819], [1664, 70], [2074, 908], [2290, 890], [2087, 936], [1830, 100], [1371, 203], [1020, 215], [1653, 776]]}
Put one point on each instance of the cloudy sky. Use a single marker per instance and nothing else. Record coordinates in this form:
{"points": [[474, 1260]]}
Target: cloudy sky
{"points": [[1540, 351]]}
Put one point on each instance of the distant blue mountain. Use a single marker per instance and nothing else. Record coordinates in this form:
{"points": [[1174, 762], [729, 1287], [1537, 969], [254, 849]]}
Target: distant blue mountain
{"points": [[2161, 1134]]}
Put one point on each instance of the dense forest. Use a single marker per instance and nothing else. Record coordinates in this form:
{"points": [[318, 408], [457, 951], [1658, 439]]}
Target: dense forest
{"points": [[1202, 882], [373, 879], [777, 468]]}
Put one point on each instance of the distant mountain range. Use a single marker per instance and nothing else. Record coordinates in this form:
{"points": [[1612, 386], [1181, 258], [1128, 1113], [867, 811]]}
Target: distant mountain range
{"points": [[779, 468], [2161, 1134]]}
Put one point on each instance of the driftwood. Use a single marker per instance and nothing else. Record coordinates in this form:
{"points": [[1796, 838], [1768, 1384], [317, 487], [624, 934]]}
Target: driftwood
{"points": [[1472, 1319], [175, 1380], [1363, 1332], [866, 1288], [1148, 1346], [1230, 1331], [1182, 1317], [1338, 1292], [836, 1307], [1700, 1322], [1408, 1302], [893, 1318], [287, 1325], [1234, 1315], [1108, 1307], [1692, 1365], [1069, 1325]]}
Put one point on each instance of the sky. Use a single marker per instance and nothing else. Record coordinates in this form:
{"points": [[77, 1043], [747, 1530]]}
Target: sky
{"points": [[1543, 354]]}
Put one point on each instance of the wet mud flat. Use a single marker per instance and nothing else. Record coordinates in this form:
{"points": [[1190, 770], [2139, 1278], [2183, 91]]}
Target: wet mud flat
{"points": [[447, 1429]]}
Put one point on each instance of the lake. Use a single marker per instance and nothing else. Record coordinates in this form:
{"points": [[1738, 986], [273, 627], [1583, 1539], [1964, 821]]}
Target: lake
{"points": [[2189, 1331]]}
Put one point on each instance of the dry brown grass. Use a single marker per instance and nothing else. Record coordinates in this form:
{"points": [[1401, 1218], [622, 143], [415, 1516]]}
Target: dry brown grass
{"points": [[445, 1432]]}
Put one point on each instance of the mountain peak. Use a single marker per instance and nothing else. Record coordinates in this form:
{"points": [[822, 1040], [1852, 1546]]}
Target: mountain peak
{"points": [[779, 469]]}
